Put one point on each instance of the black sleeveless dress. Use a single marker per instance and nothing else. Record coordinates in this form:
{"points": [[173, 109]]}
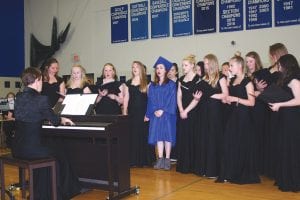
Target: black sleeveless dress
{"points": [[106, 105], [238, 160], [51, 90], [287, 176], [141, 153]]}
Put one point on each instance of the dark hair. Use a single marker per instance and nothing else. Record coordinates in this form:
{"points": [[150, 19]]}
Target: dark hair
{"points": [[176, 68], [201, 65], [289, 68], [30, 74], [45, 68]]}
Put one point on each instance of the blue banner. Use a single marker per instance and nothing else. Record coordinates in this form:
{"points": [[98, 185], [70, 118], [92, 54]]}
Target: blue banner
{"points": [[205, 16], [287, 12], [139, 20], [182, 17], [258, 14], [119, 23], [160, 20], [231, 15]]}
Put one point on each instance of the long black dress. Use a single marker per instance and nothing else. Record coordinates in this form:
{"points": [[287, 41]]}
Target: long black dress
{"points": [[238, 161], [106, 105], [287, 175], [51, 90], [141, 153], [211, 134], [187, 127], [31, 109]]}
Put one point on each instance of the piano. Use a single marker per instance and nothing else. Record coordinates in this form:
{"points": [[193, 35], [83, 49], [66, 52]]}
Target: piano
{"points": [[98, 149]]}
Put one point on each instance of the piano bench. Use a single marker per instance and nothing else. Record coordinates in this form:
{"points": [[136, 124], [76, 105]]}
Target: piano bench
{"points": [[30, 165]]}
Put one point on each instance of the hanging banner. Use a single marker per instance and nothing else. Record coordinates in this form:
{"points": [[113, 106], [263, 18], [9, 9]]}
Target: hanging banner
{"points": [[287, 12], [182, 17], [160, 20], [204, 16], [258, 14], [119, 23], [139, 20], [231, 15]]}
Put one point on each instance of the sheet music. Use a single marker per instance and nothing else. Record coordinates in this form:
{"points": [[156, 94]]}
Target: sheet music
{"points": [[78, 104]]}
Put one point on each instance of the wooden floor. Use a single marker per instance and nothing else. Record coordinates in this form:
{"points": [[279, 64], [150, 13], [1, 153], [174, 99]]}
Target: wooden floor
{"points": [[170, 185]]}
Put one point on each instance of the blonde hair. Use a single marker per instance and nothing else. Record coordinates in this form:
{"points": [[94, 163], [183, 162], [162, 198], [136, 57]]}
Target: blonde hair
{"points": [[239, 60], [113, 68], [212, 74], [83, 81], [278, 50], [191, 59], [143, 77]]}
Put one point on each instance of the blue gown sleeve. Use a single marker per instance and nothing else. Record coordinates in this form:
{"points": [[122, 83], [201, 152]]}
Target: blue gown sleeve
{"points": [[170, 100]]}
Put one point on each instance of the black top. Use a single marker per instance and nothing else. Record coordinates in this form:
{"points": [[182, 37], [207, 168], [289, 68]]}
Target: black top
{"points": [[31, 108], [51, 90]]}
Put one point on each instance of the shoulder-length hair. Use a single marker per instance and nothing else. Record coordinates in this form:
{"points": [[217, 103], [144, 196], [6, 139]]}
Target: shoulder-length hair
{"points": [[113, 68], [46, 66], [289, 68], [83, 81]]}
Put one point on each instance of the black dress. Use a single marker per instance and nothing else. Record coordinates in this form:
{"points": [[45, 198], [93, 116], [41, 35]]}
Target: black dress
{"points": [[238, 160], [27, 144], [187, 127], [52, 90], [287, 176], [106, 105], [141, 153], [211, 134]]}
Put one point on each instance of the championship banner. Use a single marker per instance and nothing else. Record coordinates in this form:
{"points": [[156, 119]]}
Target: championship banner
{"points": [[287, 12], [231, 15], [182, 17], [160, 20], [258, 14], [119, 24], [204, 16], [139, 20]]}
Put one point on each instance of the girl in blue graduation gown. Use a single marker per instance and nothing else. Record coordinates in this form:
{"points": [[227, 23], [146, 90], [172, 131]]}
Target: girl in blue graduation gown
{"points": [[161, 111]]}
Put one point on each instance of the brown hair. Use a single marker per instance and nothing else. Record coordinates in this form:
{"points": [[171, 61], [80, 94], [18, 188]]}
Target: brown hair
{"points": [[143, 76], [113, 68], [212, 75], [46, 65], [30, 74]]}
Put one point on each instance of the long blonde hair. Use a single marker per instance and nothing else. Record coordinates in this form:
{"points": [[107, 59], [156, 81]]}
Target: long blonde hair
{"points": [[191, 59], [143, 77], [83, 80], [212, 75]]}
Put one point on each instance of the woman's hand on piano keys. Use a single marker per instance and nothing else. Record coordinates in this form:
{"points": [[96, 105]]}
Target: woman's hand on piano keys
{"points": [[66, 121]]}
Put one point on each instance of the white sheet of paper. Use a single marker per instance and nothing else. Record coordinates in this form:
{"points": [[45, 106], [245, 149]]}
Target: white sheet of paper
{"points": [[78, 104]]}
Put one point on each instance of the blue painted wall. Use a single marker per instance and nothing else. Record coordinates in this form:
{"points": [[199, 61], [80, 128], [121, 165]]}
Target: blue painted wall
{"points": [[12, 55]]}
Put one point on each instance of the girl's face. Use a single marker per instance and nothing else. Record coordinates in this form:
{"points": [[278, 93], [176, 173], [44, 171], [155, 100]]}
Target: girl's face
{"points": [[135, 69], [172, 73], [250, 62], [225, 70], [76, 73], [187, 66], [53, 68], [108, 72], [160, 71], [234, 67], [198, 70], [206, 65]]}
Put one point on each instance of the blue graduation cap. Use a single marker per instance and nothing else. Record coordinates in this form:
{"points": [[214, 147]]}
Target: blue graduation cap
{"points": [[165, 62]]}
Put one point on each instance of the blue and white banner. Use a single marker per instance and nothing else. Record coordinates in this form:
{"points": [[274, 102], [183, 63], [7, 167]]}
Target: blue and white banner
{"points": [[182, 17], [231, 15], [139, 20], [258, 14], [287, 12], [205, 16], [160, 18], [119, 23]]}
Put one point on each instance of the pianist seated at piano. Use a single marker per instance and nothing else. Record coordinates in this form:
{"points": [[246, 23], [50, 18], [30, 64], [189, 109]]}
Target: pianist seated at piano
{"points": [[31, 108], [110, 91], [78, 83]]}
